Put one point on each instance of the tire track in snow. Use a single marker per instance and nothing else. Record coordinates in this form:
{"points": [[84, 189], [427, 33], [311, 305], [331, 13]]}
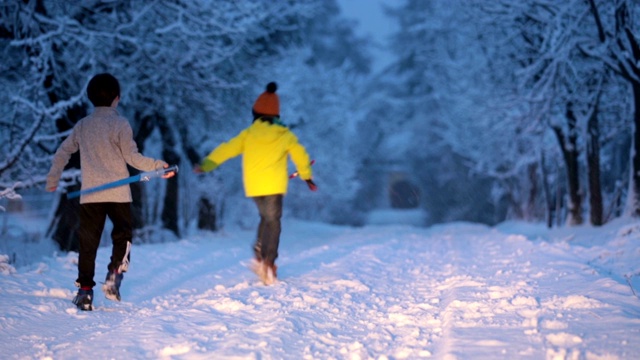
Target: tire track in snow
{"points": [[448, 284], [476, 289]]}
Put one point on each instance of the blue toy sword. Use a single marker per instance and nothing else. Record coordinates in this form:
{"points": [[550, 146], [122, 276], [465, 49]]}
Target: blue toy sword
{"points": [[145, 176]]}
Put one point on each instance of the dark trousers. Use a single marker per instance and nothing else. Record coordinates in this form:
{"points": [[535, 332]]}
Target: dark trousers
{"points": [[92, 220], [268, 239]]}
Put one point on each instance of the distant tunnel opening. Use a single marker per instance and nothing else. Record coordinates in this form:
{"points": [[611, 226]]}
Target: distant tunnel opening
{"points": [[403, 194]]}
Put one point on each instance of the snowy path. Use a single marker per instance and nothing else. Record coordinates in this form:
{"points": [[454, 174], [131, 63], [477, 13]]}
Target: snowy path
{"points": [[458, 291]]}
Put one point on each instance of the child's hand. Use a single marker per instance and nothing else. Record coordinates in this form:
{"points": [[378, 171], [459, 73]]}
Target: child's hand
{"points": [[52, 189], [205, 166], [312, 186], [169, 174]]}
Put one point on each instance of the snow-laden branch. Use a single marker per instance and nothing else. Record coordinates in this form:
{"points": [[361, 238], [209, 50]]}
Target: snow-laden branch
{"points": [[10, 193], [40, 115], [14, 155]]}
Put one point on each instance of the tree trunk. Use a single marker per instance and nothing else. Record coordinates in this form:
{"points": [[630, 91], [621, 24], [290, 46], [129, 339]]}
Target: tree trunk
{"points": [[559, 203], [65, 221], [624, 41], [569, 148], [143, 130], [206, 215], [593, 168], [531, 213], [171, 203], [64, 224], [549, 201], [635, 177]]}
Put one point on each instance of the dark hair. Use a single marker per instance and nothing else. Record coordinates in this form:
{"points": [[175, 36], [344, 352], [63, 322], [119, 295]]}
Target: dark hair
{"points": [[103, 89]]}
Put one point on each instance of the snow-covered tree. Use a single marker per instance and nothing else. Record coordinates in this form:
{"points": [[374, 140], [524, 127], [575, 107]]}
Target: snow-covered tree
{"points": [[189, 73], [511, 96], [181, 64], [618, 47], [562, 86], [431, 107], [322, 90]]}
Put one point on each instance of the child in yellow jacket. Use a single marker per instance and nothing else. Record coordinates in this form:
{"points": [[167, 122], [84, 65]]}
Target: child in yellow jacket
{"points": [[264, 147]]}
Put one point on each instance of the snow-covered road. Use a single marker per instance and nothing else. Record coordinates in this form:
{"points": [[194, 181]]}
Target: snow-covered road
{"points": [[456, 291]]}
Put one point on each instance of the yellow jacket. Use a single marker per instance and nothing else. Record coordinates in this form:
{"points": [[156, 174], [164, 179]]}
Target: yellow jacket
{"points": [[264, 148]]}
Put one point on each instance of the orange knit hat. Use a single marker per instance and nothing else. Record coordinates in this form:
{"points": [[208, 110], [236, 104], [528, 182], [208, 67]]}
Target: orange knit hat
{"points": [[268, 103]]}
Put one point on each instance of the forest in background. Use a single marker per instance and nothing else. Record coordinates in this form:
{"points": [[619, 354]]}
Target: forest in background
{"points": [[491, 110]]}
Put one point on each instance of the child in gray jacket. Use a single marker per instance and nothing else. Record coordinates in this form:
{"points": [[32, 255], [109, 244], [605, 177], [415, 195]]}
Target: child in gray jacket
{"points": [[106, 145]]}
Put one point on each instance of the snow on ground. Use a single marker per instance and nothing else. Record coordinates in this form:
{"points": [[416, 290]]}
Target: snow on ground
{"points": [[454, 291]]}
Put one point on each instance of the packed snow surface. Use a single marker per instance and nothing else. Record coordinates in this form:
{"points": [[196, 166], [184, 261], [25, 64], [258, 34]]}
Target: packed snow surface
{"points": [[454, 291]]}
